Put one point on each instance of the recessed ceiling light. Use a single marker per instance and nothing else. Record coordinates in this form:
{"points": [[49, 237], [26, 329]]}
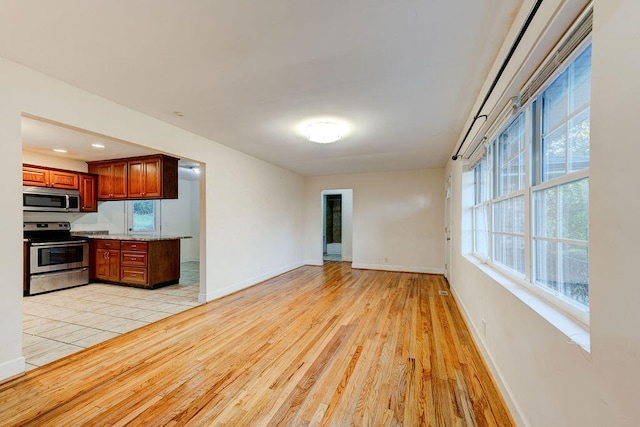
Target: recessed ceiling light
{"points": [[59, 150], [97, 145], [324, 132]]}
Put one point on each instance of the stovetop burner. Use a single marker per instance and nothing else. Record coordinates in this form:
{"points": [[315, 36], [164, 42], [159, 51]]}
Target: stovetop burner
{"points": [[41, 232]]}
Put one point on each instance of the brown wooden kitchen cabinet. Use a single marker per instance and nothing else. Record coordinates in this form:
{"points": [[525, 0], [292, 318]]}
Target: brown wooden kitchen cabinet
{"points": [[150, 264], [105, 257], [146, 264], [38, 176], [88, 195], [112, 179], [147, 177], [153, 177]]}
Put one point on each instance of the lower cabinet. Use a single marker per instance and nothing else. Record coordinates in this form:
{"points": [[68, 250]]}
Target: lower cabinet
{"points": [[146, 264], [106, 260]]}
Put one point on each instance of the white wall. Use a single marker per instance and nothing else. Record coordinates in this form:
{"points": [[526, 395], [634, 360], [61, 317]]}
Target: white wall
{"points": [[398, 219], [251, 223], [177, 218], [547, 380], [40, 159]]}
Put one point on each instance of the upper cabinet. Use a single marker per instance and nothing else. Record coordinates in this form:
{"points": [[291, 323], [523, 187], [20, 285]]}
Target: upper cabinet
{"points": [[43, 177], [88, 196], [112, 179], [153, 177], [148, 177]]}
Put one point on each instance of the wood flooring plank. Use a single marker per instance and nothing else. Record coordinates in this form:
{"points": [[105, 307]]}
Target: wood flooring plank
{"points": [[317, 346]]}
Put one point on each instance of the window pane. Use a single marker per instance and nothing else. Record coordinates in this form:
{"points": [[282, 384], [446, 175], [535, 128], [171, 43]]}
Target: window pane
{"points": [[546, 212], [509, 251], [546, 268], [554, 152], [481, 230], [579, 141], [575, 273], [143, 215], [509, 215], [554, 101], [566, 125], [574, 204], [580, 81], [511, 158]]}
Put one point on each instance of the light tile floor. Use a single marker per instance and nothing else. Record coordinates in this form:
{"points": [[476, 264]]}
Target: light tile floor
{"points": [[60, 323]]}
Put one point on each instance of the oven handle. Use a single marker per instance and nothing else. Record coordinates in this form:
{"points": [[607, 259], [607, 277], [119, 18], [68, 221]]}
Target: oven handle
{"points": [[66, 196], [65, 243]]}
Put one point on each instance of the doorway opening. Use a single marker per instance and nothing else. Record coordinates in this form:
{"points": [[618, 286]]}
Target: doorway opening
{"points": [[332, 250], [336, 225]]}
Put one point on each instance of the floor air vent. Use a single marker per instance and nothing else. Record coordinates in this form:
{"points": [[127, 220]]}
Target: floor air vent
{"points": [[444, 293]]}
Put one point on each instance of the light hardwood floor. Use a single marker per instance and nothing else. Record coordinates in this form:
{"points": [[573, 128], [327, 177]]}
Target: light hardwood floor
{"points": [[316, 346]]}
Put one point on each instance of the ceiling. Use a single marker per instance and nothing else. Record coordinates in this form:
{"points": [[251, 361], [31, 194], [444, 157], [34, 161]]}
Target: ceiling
{"points": [[400, 75]]}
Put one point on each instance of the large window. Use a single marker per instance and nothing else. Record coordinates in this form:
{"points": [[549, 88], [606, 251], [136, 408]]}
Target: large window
{"points": [[530, 214]]}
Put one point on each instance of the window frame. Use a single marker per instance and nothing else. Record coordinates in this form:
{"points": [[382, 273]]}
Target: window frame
{"points": [[533, 183], [156, 216]]}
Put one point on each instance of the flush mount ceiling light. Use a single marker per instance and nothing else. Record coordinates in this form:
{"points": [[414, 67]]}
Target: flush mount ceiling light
{"points": [[96, 145], [323, 132], [59, 150]]}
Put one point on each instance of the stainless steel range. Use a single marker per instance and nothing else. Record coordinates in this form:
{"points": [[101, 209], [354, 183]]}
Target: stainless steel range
{"points": [[58, 260]]}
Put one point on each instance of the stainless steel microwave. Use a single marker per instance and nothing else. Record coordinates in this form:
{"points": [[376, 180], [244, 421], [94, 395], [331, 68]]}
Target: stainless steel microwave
{"points": [[40, 199]]}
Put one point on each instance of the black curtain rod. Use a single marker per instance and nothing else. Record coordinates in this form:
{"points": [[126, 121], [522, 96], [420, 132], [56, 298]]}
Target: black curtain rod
{"points": [[512, 50]]}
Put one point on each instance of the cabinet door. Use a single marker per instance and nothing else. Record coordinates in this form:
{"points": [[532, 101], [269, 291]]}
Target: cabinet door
{"points": [[107, 264], [145, 178], [88, 196], [66, 180], [101, 264], [136, 179], [114, 265], [119, 180], [35, 177], [112, 180], [104, 181], [152, 178]]}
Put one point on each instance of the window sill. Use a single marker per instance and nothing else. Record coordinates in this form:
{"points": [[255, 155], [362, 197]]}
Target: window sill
{"points": [[575, 331]]}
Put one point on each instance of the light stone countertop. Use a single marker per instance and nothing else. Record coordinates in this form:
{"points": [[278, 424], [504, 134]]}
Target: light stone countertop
{"points": [[136, 237]]}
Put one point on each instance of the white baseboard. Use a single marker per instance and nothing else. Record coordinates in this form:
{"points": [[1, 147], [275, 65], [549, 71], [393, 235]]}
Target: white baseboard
{"points": [[245, 283], [11, 369], [313, 262], [402, 268], [497, 375]]}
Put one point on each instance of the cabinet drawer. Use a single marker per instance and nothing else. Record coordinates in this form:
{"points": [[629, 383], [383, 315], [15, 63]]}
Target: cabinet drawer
{"points": [[108, 244], [134, 246], [134, 259], [134, 275]]}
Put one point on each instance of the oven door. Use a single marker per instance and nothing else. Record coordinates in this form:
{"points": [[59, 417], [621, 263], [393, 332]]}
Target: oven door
{"points": [[55, 256]]}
